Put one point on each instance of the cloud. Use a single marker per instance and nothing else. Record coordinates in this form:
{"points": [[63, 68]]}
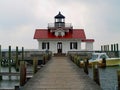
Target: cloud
{"points": [[19, 19]]}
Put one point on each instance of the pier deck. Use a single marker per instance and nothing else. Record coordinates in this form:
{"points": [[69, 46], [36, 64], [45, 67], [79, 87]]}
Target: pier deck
{"points": [[61, 74]]}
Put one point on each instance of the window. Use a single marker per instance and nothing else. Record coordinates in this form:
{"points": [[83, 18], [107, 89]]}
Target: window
{"points": [[45, 45], [73, 45]]}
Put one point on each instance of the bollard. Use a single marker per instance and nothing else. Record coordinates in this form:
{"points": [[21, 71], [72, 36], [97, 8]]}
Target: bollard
{"points": [[86, 66], [22, 73], [118, 75], [104, 62], [96, 73], [0, 62], [16, 65], [35, 63]]}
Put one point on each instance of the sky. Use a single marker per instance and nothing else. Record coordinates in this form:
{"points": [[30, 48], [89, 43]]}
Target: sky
{"points": [[19, 18]]}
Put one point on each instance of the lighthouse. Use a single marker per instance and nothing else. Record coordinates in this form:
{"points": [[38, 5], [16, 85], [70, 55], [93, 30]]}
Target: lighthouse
{"points": [[60, 37]]}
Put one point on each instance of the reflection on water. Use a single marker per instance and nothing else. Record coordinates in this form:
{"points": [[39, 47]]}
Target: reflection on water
{"points": [[9, 82], [108, 77]]}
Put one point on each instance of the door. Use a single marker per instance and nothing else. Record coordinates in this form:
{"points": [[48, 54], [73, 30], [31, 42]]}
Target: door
{"points": [[59, 47]]}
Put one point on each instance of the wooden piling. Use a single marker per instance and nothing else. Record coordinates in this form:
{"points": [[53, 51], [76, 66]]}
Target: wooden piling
{"points": [[101, 48], [96, 73], [17, 65], [43, 59], [117, 48], [114, 47], [104, 62], [118, 75], [22, 53], [0, 61], [111, 47], [22, 70], [17, 88], [9, 59], [35, 63], [86, 66], [22, 73]]}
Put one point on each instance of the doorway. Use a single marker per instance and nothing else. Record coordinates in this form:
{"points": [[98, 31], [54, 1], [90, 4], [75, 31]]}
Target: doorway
{"points": [[59, 47]]}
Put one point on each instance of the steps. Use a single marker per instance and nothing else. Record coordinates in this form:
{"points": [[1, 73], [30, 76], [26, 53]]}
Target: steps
{"points": [[59, 54]]}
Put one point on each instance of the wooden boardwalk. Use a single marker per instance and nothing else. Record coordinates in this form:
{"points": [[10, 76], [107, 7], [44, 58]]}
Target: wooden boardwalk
{"points": [[61, 74]]}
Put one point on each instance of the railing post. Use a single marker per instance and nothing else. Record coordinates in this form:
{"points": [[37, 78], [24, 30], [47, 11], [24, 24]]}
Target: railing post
{"points": [[96, 73], [0, 62]]}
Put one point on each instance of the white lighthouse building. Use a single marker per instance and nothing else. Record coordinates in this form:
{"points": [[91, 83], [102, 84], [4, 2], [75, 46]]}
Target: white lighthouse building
{"points": [[61, 37]]}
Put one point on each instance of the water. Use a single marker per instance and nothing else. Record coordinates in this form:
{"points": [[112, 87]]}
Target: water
{"points": [[11, 82], [108, 77]]}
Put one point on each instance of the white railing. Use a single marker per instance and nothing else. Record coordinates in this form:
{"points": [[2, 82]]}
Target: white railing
{"points": [[53, 25]]}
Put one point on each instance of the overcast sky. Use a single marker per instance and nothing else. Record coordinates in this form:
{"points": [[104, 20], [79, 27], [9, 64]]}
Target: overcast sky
{"points": [[19, 18]]}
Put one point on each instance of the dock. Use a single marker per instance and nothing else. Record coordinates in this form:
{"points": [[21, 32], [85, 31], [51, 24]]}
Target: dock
{"points": [[60, 74]]}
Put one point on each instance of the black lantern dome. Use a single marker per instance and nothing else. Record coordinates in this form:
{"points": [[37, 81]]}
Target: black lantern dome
{"points": [[59, 20], [59, 15]]}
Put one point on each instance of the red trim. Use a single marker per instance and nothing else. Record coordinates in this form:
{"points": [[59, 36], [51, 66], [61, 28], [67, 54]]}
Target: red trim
{"points": [[88, 40]]}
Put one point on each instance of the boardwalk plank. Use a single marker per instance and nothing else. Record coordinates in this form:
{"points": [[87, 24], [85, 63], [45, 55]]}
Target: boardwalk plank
{"points": [[61, 74]]}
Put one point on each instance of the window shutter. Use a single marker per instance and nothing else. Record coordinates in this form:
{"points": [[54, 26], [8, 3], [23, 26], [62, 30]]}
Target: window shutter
{"points": [[43, 45], [70, 45], [48, 46], [76, 45]]}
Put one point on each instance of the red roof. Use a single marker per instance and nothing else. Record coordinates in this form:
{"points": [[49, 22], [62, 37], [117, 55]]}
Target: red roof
{"points": [[44, 34]]}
